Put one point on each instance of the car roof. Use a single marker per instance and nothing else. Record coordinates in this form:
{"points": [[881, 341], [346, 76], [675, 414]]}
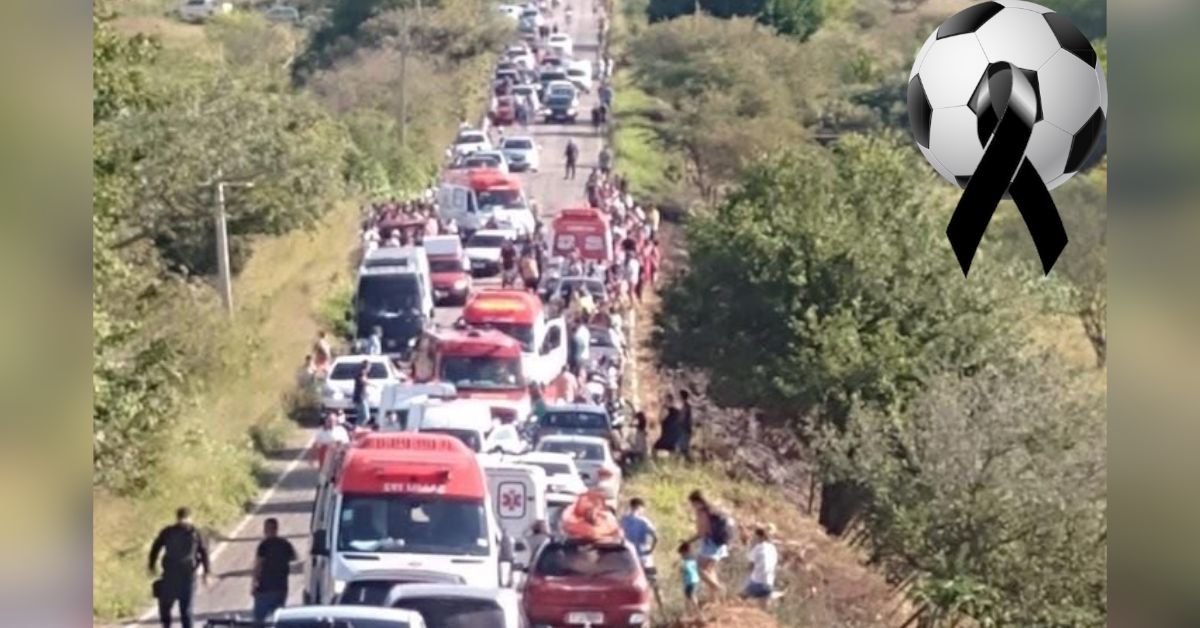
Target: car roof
{"points": [[518, 137], [577, 407], [573, 438], [348, 612], [506, 233], [408, 591], [544, 456], [360, 357]]}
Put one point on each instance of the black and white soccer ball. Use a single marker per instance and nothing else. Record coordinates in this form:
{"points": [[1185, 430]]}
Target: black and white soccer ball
{"points": [[947, 90]]}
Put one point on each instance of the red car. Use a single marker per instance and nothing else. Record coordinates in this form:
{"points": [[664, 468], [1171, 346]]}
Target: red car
{"points": [[505, 111], [450, 278], [581, 583]]}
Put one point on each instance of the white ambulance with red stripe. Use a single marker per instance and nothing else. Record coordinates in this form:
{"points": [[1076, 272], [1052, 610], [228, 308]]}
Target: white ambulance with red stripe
{"points": [[405, 502]]}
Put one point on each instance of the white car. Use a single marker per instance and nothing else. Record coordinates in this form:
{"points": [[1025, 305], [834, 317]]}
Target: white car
{"points": [[459, 605], [196, 11], [282, 14], [492, 158], [532, 14], [520, 55], [483, 249], [562, 43], [471, 141], [594, 458], [510, 11], [348, 615], [522, 153], [562, 476], [337, 392]]}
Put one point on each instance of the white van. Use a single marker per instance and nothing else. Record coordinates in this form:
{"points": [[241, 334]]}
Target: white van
{"points": [[395, 293], [405, 501], [519, 500]]}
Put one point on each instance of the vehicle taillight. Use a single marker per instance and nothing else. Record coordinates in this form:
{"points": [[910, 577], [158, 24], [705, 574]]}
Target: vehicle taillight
{"points": [[504, 415], [604, 473]]}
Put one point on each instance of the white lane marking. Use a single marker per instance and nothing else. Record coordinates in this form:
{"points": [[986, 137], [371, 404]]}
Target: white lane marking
{"points": [[152, 612]]}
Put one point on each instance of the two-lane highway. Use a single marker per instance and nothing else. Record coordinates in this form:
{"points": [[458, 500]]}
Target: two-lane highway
{"points": [[292, 476]]}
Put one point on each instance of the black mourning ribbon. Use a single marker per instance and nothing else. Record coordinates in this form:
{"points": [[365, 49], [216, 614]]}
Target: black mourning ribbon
{"points": [[1015, 102]]}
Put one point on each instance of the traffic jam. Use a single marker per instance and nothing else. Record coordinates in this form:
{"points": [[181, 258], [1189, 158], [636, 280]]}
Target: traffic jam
{"points": [[476, 435]]}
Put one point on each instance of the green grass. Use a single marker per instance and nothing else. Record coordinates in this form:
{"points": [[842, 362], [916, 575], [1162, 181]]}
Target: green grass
{"points": [[242, 410], [652, 170]]}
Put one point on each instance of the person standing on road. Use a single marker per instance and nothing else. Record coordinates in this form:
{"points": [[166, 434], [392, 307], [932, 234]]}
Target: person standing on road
{"points": [[182, 548], [605, 160], [572, 155], [361, 407], [640, 533], [375, 342], [272, 563], [529, 269], [332, 434]]}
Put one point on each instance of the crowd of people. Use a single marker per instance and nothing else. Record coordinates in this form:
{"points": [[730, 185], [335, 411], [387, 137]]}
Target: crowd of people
{"points": [[394, 223]]}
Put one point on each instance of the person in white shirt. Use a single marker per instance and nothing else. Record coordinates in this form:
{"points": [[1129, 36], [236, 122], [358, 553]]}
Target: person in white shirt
{"points": [[765, 558], [331, 435]]}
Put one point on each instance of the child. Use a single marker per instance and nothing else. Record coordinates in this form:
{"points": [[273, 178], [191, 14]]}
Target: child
{"points": [[690, 573]]}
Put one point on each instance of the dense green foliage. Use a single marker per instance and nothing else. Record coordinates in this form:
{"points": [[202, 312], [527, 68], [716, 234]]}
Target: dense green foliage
{"points": [[799, 18]]}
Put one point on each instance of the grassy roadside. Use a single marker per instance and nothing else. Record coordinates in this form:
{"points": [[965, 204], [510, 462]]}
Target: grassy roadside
{"points": [[243, 403]]}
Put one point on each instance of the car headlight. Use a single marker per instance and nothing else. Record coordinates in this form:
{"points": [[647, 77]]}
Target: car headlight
{"points": [[637, 619], [338, 586], [460, 284]]}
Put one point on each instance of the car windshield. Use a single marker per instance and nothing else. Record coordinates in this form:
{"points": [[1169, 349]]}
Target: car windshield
{"points": [[478, 241], [600, 337], [575, 449], [413, 524], [455, 612], [445, 265], [575, 420], [576, 72], [566, 286], [522, 333], [349, 370], [469, 138], [383, 294], [585, 560], [482, 161], [482, 372], [508, 199], [467, 437], [521, 144]]}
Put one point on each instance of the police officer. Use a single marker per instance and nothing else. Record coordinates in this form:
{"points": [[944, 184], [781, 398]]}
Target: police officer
{"points": [[182, 548]]}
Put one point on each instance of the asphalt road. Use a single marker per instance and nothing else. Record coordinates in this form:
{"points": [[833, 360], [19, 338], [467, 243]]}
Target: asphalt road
{"points": [[289, 473]]}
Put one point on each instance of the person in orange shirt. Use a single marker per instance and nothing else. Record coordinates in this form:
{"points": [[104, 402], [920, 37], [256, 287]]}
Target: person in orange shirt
{"points": [[563, 388]]}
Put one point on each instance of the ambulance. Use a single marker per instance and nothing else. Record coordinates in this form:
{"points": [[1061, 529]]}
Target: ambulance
{"points": [[522, 315], [584, 231], [481, 364], [475, 198], [405, 502], [519, 500]]}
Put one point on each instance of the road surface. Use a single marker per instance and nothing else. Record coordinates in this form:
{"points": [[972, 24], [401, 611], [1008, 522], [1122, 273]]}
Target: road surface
{"points": [[289, 473]]}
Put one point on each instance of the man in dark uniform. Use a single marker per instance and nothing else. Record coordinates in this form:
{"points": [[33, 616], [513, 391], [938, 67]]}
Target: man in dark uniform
{"points": [[182, 548]]}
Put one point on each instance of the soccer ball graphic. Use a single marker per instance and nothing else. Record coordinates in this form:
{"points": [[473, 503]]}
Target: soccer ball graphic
{"points": [[951, 111]]}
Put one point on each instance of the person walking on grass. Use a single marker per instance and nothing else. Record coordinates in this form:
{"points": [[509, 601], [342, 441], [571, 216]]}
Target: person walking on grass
{"points": [[764, 558], [272, 564], [182, 549], [690, 577], [714, 531], [572, 155]]}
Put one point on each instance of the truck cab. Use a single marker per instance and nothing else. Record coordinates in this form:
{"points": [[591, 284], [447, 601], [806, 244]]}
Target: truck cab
{"points": [[404, 501], [584, 231], [481, 364], [522, 316]]}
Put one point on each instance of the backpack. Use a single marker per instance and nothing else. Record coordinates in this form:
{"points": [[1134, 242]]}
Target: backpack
{"points": [[181, 545], [720, 528]]}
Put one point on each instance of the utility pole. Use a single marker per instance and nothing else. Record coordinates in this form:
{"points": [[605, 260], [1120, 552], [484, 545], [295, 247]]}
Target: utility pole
{"points": [[403, 79], [224, 279]]}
